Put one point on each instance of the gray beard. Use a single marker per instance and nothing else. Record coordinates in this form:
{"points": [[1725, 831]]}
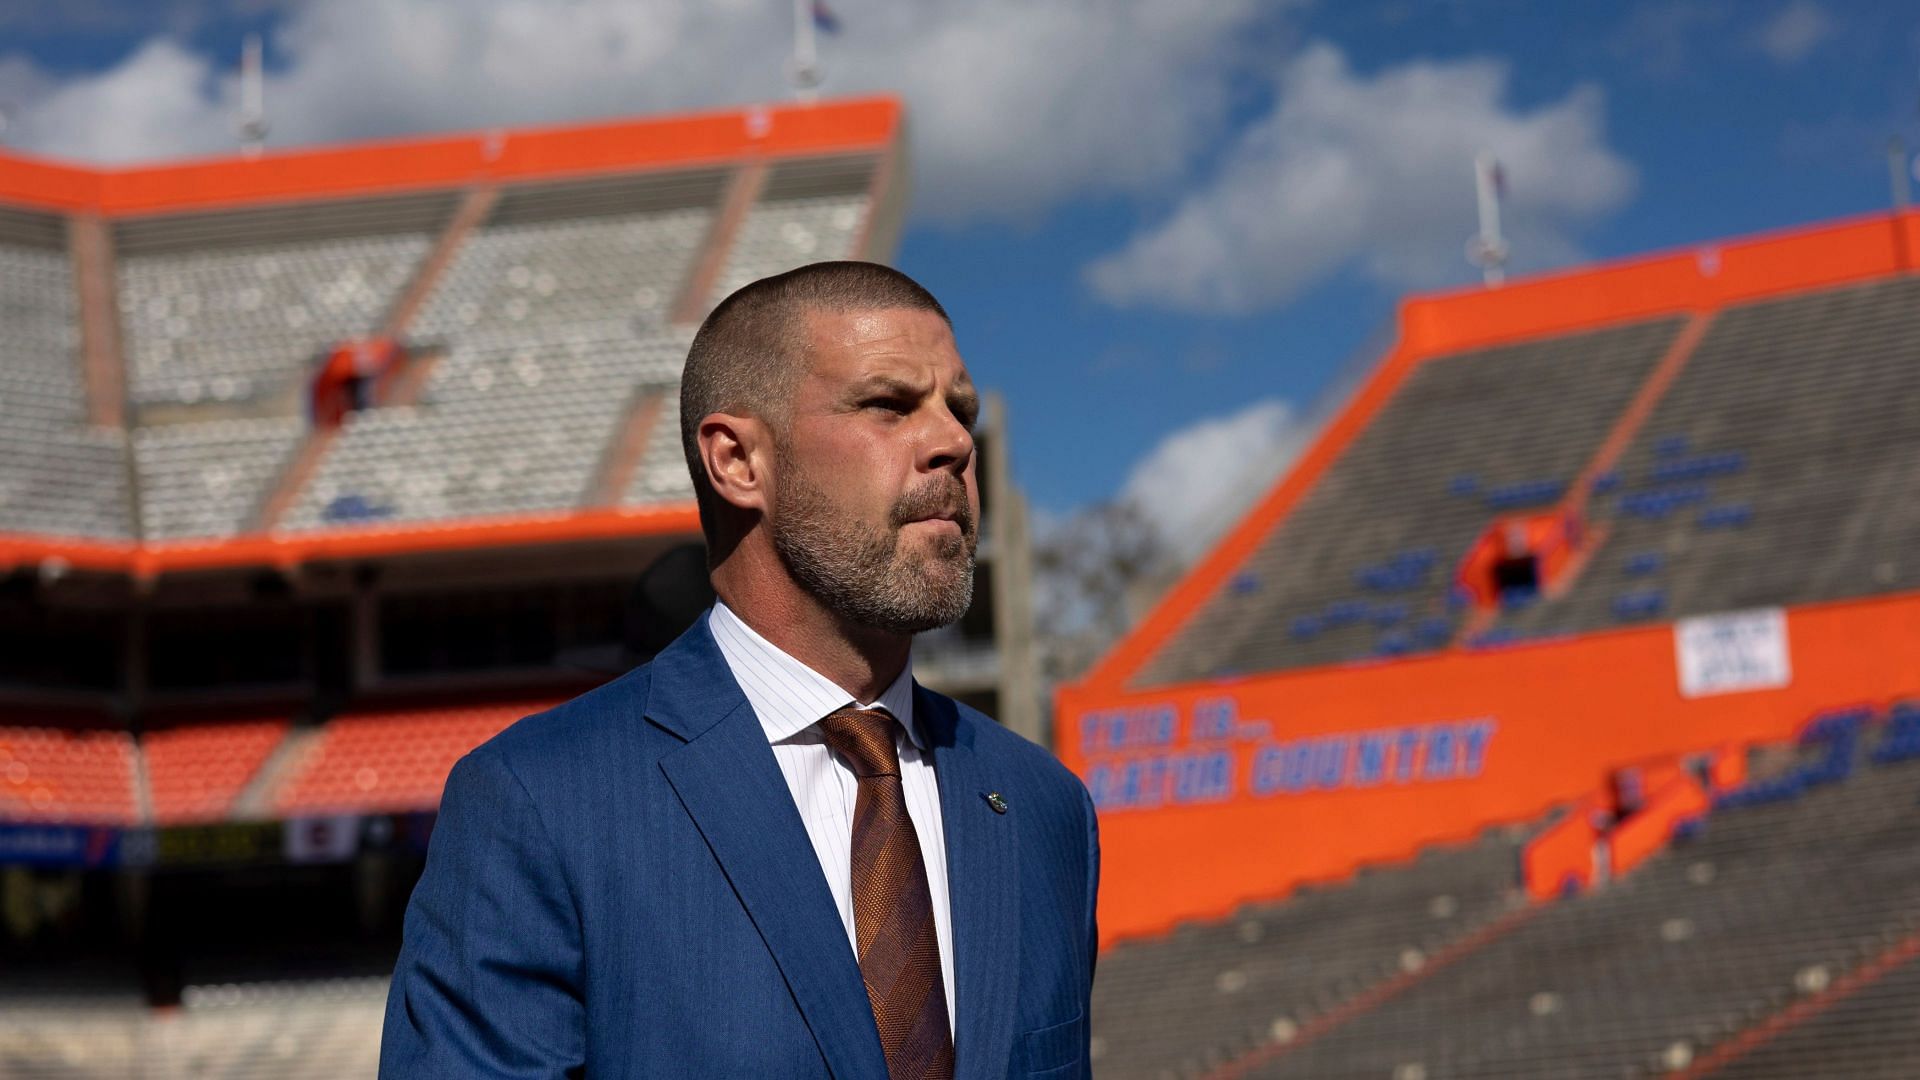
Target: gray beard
{"points": [[861, 574]]}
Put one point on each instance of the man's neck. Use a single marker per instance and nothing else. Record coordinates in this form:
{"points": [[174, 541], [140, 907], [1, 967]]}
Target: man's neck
{"points": [[860, 660]]}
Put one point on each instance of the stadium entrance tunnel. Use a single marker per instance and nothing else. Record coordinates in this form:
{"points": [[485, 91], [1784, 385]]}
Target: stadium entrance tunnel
{"points": [[1519, 558], [352, 376]]}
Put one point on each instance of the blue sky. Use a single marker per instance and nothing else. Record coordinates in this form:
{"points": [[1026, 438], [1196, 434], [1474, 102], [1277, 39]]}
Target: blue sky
{"points": [[1162, 227]]}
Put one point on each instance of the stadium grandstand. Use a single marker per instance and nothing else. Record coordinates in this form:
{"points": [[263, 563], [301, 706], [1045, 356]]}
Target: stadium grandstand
{"points": [[1556, 714], [318, 468]]}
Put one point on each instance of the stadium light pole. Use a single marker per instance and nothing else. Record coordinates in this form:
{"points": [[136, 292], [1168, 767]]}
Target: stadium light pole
{"points": [[803, 69], [1487, 249], [253, 98]]}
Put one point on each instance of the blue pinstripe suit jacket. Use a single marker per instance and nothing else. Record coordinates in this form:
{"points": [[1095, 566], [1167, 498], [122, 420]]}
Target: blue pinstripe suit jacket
{"points": [[622, 887]]}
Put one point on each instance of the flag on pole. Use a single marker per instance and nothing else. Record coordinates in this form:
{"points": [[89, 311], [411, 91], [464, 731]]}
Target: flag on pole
{"points": [[824, 20]]}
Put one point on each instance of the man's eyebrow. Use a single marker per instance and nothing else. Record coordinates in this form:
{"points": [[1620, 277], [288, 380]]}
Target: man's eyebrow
{"points": [[890, 384], [963, 397]]}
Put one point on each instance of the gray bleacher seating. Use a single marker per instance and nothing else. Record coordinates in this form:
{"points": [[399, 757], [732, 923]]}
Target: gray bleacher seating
{"points": [[1772, 903], [238, 323], [661, 475], [602, 275], [208, 479], [552, 324], [40, 381], [1818, 398], [548, 325], [322, 1030], [1529, 413], [69, 483], [779, 234], [1172, 1005], [1868, 1035], [501, 429], [57, 476]]}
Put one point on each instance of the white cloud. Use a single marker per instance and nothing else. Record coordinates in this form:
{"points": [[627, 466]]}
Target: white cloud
{"points": [[1014, 106], [159, 88], [1375, 173], [1794, 31], [1200, 479]]}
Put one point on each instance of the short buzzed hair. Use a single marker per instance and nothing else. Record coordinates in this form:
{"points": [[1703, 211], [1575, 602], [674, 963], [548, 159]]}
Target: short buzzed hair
{"points": [[746, 354]]}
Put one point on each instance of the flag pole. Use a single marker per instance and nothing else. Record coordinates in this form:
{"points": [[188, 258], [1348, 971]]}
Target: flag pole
{"points": [[253, 98], [1488, 249], [803, 70]]}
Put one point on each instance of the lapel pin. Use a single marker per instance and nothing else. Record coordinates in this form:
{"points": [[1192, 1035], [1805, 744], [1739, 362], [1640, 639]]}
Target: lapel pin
{"points": [[995, 800]]}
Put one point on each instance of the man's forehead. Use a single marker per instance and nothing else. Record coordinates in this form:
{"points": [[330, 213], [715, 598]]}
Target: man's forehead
{"points": [[898, 342]]}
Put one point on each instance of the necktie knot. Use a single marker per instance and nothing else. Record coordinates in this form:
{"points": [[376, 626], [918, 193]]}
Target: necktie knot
{"points": [[864, 737]]}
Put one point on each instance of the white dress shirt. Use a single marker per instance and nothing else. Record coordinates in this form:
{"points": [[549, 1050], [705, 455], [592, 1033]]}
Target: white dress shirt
{"points": [[790, 698]]}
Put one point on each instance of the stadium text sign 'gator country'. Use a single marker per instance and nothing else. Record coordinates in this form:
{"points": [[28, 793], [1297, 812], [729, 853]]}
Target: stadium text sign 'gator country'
{"points": [[1164, 759]]}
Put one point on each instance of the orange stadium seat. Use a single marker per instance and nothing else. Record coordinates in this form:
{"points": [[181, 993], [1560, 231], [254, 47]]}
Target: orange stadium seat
{"points": [[194, 773], [80, 776], [392, 760]]}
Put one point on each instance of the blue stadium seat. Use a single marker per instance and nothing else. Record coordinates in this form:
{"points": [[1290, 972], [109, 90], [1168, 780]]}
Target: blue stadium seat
{"points": [[1342, 612], [1642, 563], [1393, 643], [1641, 604], [1388, 614], [1516, 597], [1728, 516], [354, 506]]}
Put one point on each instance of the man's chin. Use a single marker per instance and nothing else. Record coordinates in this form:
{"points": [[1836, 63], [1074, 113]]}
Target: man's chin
{"points": [[938, 541]]}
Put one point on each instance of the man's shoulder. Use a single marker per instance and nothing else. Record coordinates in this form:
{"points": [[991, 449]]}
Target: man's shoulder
{"points": [[582, 728]]}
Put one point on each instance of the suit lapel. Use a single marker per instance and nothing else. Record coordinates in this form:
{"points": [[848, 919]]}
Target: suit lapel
{"points": [[727, 779], [983, 883]]}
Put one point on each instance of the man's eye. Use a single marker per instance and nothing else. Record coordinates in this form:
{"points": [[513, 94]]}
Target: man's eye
{"points": [[894, 405]]}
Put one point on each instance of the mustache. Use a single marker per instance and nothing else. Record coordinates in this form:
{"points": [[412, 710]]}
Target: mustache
{"points": [[937, 497]]}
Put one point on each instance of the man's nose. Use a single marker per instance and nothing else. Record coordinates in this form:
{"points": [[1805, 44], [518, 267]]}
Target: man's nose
{"points": [[950, 446]]}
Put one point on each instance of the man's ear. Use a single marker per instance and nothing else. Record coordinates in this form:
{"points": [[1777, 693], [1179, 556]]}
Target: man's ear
{"points": [[735, 451]]}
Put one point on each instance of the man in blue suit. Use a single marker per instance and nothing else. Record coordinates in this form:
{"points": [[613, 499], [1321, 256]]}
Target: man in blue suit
{"points": [[769, 852]]}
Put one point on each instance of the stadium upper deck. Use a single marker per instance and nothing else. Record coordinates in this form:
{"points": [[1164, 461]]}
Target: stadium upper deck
{"points": [[396, 347], [1630, 511]]}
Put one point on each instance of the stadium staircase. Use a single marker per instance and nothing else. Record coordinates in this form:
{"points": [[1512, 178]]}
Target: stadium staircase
{"points": [[1775, 937]]}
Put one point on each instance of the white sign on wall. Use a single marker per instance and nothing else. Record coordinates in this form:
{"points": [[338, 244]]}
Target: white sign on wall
{"points": [[1743, 650]]}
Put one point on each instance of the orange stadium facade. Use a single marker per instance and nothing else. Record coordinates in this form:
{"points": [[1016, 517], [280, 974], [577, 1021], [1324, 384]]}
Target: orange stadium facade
{"points": [[1240, 784]]}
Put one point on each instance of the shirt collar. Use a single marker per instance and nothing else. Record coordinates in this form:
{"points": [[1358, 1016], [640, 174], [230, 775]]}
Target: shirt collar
{"points": [[788, 696]]}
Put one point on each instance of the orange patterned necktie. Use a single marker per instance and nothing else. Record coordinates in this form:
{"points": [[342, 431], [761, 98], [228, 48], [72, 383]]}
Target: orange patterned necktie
{"points": [[892, 909]]}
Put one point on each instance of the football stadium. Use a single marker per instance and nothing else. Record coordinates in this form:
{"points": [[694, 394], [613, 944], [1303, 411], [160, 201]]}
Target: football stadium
{"points": [[321, 468], [1555, 714]]}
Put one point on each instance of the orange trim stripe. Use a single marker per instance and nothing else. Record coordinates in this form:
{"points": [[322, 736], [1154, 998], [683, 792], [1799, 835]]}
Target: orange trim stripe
{"points": [[387, 167], [362, 542]]}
